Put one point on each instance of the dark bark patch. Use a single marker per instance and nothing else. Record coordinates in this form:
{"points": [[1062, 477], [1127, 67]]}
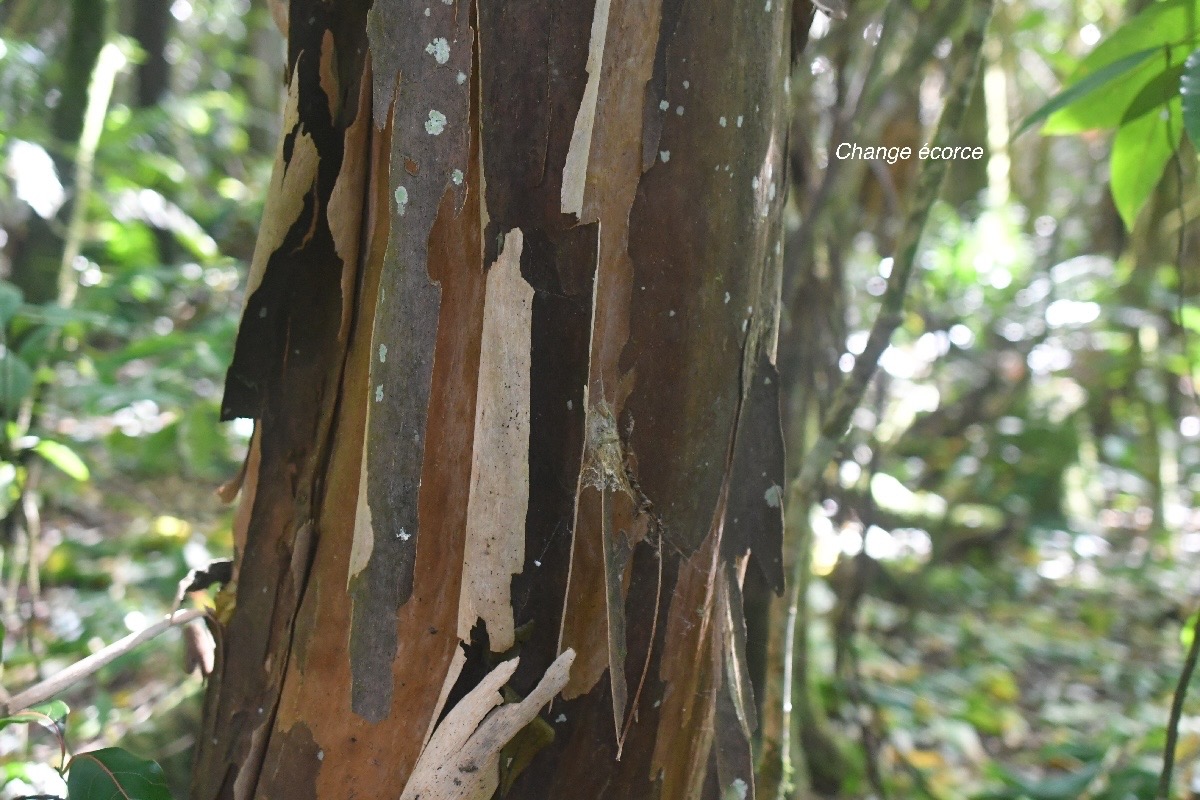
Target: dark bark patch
{"points": [[754, 516]]}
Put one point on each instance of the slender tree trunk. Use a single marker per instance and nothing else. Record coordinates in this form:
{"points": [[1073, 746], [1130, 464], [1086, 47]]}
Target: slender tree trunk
{"points": [[151, 30], [509, 342]]}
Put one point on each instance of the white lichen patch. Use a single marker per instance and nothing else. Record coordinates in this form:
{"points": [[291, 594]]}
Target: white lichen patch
{"points": [[382, 353], [771, 191], [739, 120], [740, 789], [462, 78], [665, 155], [722, 122], [754, 183], [436, 122], [774, 496], [403, 535], [457, 177], [401, 200], [679, 110], [427, 12], [727, 298], [379, 393], [687, 84], [663, 105], [439, 48]]}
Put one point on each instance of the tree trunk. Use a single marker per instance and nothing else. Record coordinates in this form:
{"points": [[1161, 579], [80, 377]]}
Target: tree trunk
{"points": [[509, 342]]}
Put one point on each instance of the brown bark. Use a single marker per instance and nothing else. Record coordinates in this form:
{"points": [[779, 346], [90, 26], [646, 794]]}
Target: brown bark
{"points": [[509, 342]]}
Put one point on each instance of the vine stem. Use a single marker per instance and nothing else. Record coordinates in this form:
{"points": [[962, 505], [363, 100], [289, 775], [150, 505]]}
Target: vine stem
{"points": [[1181, 688]]}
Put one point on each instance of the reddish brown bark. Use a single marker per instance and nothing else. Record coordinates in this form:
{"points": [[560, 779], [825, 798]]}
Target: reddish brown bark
{"points": [[637, 146]]}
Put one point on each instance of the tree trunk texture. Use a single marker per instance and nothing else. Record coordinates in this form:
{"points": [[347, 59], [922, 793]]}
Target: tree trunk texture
{"points": [[509, 342]]}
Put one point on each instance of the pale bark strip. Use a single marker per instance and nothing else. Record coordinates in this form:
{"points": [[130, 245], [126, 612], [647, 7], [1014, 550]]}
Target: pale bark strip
{"points": [[291, 180], [348, 197], [456, 665], [499, 499], [576, 168], [462, 760]]}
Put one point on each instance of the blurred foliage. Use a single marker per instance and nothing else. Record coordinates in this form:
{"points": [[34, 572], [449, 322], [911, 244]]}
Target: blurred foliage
{"points": [[111, 447], [1008, 542]]}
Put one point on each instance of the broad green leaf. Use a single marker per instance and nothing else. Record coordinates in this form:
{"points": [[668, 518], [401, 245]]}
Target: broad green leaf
{"points": [[1154, 96], [115, 774], [1059, 787], [1189, 87], [1172, 26], [53, 712], [11, 300], [16, 380], [63, 457], [1140, 153], [1089, 84]]}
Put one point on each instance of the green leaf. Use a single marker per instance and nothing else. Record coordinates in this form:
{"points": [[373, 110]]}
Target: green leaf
{"points": [[1189, 88], [16, 380], [1089, 84], [1154, 96], [1170, 27], [115, 774], [11, 300], [53, 712], [1057, 787], [63, 457], [1140, 153]]}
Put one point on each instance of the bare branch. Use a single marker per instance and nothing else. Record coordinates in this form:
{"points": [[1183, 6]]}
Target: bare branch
{"points": [[41, 692]]}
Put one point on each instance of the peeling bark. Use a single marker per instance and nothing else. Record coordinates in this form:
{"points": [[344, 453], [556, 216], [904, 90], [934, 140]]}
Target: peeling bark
{"points": [[509, 343]]}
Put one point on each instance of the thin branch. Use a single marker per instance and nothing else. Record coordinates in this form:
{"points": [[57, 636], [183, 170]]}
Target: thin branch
{"points": [[1181, 688], [891, 312], [43, 691]]}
